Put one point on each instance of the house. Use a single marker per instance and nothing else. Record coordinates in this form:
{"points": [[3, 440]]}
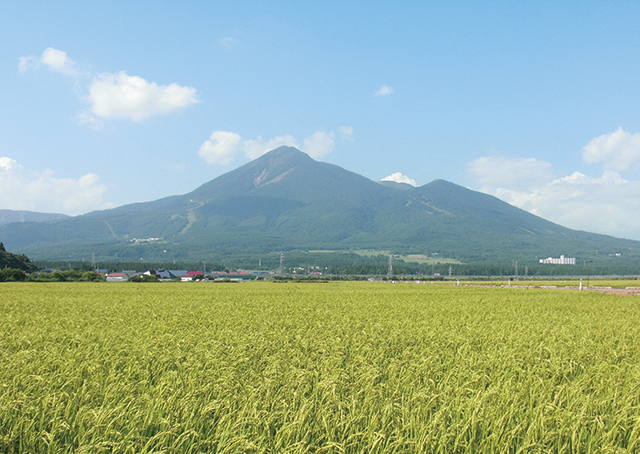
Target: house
{"points": [[122, 276], [561, 261], [161, 274], [191, 276]]}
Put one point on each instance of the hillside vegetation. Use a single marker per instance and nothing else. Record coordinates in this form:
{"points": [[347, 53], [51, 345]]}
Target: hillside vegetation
{"points": [[286, 201], [15, 261]]}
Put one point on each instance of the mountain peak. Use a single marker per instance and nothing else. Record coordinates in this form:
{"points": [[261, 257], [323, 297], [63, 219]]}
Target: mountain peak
{"points": [[286, 200], [284, 152]]}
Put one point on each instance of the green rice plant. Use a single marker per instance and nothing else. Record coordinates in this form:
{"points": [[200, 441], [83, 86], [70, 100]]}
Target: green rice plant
{"points": [[343, 367]]}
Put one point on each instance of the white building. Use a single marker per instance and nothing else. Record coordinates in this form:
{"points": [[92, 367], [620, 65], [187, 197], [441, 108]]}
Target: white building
{"points": [[561, 261]]}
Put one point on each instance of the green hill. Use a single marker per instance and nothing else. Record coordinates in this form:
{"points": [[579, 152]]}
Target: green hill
{"points": [[9, 216], [285, 200], [16, 261]]}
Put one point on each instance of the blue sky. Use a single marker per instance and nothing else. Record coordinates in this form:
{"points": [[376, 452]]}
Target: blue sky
{"points": [[108, 103]]}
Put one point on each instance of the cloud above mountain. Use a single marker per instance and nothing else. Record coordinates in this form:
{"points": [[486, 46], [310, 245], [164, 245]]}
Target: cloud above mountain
{"points": [[255, 148], [133, 98], [222, 146], [619, 151], [319, 143], [42, 191], [400, 178], [608, 203], [114, 95], [512, 172]]}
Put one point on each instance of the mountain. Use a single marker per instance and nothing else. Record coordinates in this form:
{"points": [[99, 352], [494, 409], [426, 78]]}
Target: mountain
{"points": [[396, 185], [9, 216], [284, 200], [16, 261]]}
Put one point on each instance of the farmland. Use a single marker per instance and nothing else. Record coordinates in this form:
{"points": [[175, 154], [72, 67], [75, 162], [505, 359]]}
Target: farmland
{"points": [[341, 367]]}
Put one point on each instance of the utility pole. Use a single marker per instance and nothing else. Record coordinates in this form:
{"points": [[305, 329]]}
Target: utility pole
{"points": [[516, 270]]}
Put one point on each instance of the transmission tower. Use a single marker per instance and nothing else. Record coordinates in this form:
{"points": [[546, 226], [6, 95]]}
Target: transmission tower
{"points": [[281, 268], [390, 271]]}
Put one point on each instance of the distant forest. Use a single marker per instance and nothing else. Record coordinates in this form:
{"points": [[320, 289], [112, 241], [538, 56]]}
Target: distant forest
{"points": [[352, 264]]}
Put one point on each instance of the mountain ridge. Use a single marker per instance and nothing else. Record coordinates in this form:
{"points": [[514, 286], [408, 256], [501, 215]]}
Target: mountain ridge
{"points": [[10, 216], [285, 200]]}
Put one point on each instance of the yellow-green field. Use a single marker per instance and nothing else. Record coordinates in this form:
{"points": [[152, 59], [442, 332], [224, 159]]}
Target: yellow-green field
{"points": [[598, 283], [326, 367]]}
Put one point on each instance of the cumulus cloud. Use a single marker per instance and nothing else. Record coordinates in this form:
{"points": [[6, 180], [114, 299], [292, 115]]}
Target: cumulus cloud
{"points": [[114, 95], [384, 91], [319, 143], [619, 151], [504, 171], [608, 204], [51, 59], [57, 60], [43, 192], [133, 98], [400, 178], [220, 148]]}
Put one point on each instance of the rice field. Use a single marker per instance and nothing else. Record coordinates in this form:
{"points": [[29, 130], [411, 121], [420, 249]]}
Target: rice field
{"points": [[340, 367]]}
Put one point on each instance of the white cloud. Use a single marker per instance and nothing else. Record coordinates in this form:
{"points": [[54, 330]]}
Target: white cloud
{"points": [[346, 132], [220, 148], [384, 91], [400, 178], [131, 97], [25, 63], [43, 192], [57, 60], [85, 118], [512, 172], [255, 148], [8, 165], [608, 204], [319, 143], [118, 95], [619, 151], [53, 60]]}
